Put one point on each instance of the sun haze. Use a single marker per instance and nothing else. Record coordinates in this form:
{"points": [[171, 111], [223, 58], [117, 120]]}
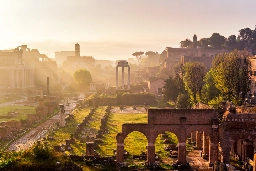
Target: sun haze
{"points": [[114, 29]]}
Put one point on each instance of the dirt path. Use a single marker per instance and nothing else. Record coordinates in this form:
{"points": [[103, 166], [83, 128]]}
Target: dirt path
{"points": [[196, 161]]}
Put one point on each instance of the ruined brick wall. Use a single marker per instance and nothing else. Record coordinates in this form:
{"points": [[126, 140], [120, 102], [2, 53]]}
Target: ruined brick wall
{"points": [[174, 116]]}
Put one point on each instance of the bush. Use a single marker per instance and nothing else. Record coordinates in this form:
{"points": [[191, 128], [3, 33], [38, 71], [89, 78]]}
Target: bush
{"points": [[41, 151]]}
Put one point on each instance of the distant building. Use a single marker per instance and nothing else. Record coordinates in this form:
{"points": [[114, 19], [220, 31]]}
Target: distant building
{"points": [[23, 69], [61, 56], [132, 61], [14, 73], [76, 62], [205, 60], [103, 63], [155, 86], [173, 56]]}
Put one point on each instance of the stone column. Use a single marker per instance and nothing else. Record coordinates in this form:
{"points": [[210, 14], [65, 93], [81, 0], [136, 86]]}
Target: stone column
{"points": [[225, 145], [199, 140], [18, 78], [193, 137], [129, 78], [13, 79], [117, 78], [151, 153], [120, 148], [123, 77], [182, 152], [205, 144], [90, 149], [214, 141], [247, 149]]}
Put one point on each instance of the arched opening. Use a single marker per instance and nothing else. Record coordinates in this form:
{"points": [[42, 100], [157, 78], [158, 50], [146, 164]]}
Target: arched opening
{"points": [[135, 148], [166, 148]]}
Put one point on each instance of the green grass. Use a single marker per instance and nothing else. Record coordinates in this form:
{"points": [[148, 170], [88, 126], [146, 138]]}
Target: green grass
{"points": [[64, 133], [93, 126], [135, 143], [23, 111], [115, 126]]}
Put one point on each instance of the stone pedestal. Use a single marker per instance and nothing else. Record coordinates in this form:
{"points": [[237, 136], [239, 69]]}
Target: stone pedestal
{"points": [[182, 152], [90, 149], [120, 153], [150, 153]]}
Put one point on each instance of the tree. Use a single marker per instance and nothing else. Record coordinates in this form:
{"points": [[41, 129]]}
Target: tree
{"points": [[247, 39], [217, 41], [171, 89], [152, 58], [138, 56], [231, 75], [186, 43], [204, 42], [209, 90], [83, 78], [183, 100], [231, 42], [194, 73], [163, 56]]}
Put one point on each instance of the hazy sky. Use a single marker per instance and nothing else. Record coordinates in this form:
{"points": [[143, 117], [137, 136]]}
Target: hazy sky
{"points": [[114, 29]]}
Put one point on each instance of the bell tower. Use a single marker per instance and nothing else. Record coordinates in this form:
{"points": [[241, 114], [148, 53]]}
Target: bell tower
{"points": [[77, 50]]}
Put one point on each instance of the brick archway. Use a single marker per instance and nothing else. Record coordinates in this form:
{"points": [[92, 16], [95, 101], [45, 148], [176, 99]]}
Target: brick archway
{"points": [[178, 121]]}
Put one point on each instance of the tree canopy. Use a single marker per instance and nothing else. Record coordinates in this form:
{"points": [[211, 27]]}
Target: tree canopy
{"points": [[186, 43], [230, 72], [83, 77], [194, 73], [138, 55], [217, 41]]}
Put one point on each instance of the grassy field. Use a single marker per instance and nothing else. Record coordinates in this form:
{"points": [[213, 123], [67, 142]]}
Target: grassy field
{"points": [[135, 143], [64, 133], [22, 112]]}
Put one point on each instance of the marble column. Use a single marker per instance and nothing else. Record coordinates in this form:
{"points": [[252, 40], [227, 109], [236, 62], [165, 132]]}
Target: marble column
{"points": [[117, 78], [123, 77], [129, 87]]}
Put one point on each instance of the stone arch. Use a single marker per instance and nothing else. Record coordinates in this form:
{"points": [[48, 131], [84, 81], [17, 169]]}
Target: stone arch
{"points": [[169, 143], [180, 122]]}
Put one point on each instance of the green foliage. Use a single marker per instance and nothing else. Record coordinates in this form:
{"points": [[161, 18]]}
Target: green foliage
{"points": [[171, 89], [247, 40], [194, 73], [209, 90], [138, 55], [217, 41], [42, 151], [6, 160], [22, 112], [230, 72], [83, 77], [137, 99], [183, 101], [186, 43]]}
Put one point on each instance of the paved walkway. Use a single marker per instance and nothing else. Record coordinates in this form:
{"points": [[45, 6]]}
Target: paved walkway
{"points": [[35, 134]]}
